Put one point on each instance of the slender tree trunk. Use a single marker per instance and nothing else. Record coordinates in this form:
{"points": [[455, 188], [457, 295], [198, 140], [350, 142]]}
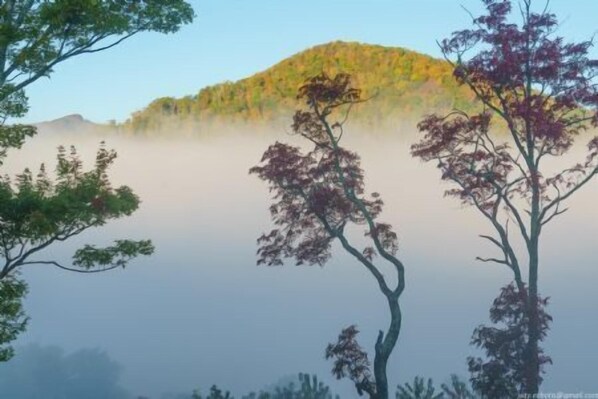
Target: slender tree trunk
{"points": [[385, 346], [532, 361]]}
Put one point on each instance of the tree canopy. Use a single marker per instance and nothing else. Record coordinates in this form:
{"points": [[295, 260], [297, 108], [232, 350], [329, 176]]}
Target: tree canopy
{"points": [[36, 35], [38, 210], [317, 195], [545, 91]]}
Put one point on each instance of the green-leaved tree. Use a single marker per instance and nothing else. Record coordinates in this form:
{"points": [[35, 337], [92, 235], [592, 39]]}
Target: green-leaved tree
{"points": [[40, 209]]}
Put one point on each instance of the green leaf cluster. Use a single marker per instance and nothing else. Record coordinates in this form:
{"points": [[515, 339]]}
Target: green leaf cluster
{"points": [[12, 316], [35, 35], [39, 210]]}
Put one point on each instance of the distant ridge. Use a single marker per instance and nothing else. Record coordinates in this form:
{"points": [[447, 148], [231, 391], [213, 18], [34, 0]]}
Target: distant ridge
{"points": [[406, 84], [74, 123]]}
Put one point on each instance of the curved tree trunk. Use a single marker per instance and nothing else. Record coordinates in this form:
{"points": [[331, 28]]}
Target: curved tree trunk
{"points": [[384, 347]]}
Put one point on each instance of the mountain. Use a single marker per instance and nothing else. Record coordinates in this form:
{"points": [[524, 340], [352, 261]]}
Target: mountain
{"points": [[74, 123], [403, 83]]}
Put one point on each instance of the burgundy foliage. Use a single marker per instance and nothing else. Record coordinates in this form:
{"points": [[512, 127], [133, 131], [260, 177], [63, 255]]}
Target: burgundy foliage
{"points": [[504, 374], [537, 94], [310, 206], [350, 360], [538, 81], [468, 156], [316, 194], [543, 89]]}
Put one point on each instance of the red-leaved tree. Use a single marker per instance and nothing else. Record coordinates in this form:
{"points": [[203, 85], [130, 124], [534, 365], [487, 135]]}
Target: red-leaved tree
{"points": [[543, 92], [503, 374], [316, 196]]}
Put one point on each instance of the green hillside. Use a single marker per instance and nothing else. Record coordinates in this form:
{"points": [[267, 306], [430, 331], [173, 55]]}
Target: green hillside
{"points": [[404, 84]]}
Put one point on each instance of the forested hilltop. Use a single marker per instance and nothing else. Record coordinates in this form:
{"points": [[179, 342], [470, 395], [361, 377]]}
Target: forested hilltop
{"points": [[402, 83]]}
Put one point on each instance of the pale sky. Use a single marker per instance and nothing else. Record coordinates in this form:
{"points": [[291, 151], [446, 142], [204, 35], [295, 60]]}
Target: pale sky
{"points": [[233, 39]]}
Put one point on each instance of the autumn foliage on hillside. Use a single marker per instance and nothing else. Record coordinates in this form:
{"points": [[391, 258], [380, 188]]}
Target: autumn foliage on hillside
{"points": [[400, 82]]}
